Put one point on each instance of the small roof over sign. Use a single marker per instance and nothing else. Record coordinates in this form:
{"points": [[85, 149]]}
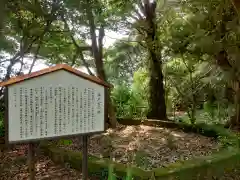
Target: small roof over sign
{"points": [[65, 67]]}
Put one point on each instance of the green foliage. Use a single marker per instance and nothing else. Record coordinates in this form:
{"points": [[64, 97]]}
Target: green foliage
{"points": [[129, 174], [65, 142], [191, 36], [131, 101], [199, 34], [122, 60], [184, 86], [111, 175]]}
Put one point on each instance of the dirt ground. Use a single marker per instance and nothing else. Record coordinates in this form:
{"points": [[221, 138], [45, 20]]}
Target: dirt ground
{"points": [[13, 166], [146, 147], [127, 141]]}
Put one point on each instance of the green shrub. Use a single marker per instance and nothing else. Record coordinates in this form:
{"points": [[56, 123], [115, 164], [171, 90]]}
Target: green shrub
{"points": [[128, 102]]}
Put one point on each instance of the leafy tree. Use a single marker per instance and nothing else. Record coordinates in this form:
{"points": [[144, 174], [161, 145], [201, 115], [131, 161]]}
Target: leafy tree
{"points": [[25, 27], [146, 20], [210, 29], [131, 101], [89, 20], [122, 60]]}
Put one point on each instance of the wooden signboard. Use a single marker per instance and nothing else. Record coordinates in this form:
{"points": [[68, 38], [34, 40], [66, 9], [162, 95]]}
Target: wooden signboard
{"points": [[52, 103]]}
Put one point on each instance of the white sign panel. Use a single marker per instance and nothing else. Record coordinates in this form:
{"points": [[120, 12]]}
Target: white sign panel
{"points": [[56, 104]]}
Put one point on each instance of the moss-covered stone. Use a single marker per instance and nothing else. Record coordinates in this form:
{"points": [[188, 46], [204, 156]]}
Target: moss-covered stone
{"points": [[214, 165], [95, 165]]}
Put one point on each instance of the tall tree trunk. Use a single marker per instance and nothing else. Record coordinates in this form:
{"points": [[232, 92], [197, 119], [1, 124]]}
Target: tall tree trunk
{"points": [[157, 94], [157, 99], [222, 59], [223, 62], [97, 49]]}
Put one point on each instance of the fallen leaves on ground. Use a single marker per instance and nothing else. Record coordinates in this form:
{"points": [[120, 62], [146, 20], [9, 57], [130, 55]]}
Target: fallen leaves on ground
{"points": [[126, 142], [147, 147], [13, 166]]}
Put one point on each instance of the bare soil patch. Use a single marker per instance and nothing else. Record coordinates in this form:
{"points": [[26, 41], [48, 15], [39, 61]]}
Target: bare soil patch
{"points": [[146, 147]]}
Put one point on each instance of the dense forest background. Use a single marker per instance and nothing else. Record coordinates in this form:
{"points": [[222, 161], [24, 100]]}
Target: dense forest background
{"points": [[177, 60]]}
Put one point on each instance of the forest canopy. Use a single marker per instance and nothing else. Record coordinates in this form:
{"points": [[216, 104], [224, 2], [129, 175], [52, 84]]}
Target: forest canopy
{"points": [[171, 57]]}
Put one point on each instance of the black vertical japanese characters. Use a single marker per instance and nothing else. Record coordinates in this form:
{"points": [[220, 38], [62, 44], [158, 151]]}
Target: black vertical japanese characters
{"points": [[41, 112], [89, 109], [51, 105], [26, 111], [60, 109], [99, 103], [64, 109], [55, 112], [77, 109], [85, 109], [46, 111], [15, 97], [73, 109], [51, 95], [92, 109], [36, 110], [51, 101], [31, 111], [21, 112], [69, 106], [81, 110]]}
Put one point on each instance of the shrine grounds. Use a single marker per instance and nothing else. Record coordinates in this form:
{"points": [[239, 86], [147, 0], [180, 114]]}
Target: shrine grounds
{"points": [[137, 149]]}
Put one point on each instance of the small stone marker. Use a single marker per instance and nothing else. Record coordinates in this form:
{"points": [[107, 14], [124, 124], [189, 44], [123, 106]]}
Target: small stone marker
{"points": [[53, 103]]}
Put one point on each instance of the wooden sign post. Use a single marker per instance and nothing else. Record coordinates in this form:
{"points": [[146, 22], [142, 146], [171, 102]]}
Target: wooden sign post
{"points": [[54, 103], [85, 157]]}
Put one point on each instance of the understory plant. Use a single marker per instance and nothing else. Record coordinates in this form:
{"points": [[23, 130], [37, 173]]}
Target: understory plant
{"points": [[112, 176]]}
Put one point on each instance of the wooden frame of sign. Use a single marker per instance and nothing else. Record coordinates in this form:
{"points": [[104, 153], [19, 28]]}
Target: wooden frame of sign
{"points": [[54, 103]]}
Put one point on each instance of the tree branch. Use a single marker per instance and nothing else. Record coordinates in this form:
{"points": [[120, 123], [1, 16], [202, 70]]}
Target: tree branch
{"points": [[35, 58], [46, 29], [100, 41], [24, 49], [80, 49], [139, 16], [96, 48], [86, 64], [92, 32]]}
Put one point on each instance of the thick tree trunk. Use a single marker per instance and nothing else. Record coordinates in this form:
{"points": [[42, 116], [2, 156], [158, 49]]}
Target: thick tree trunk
{"points": [[157, 99], [156, 87], [234, 121], [222, 61]]}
